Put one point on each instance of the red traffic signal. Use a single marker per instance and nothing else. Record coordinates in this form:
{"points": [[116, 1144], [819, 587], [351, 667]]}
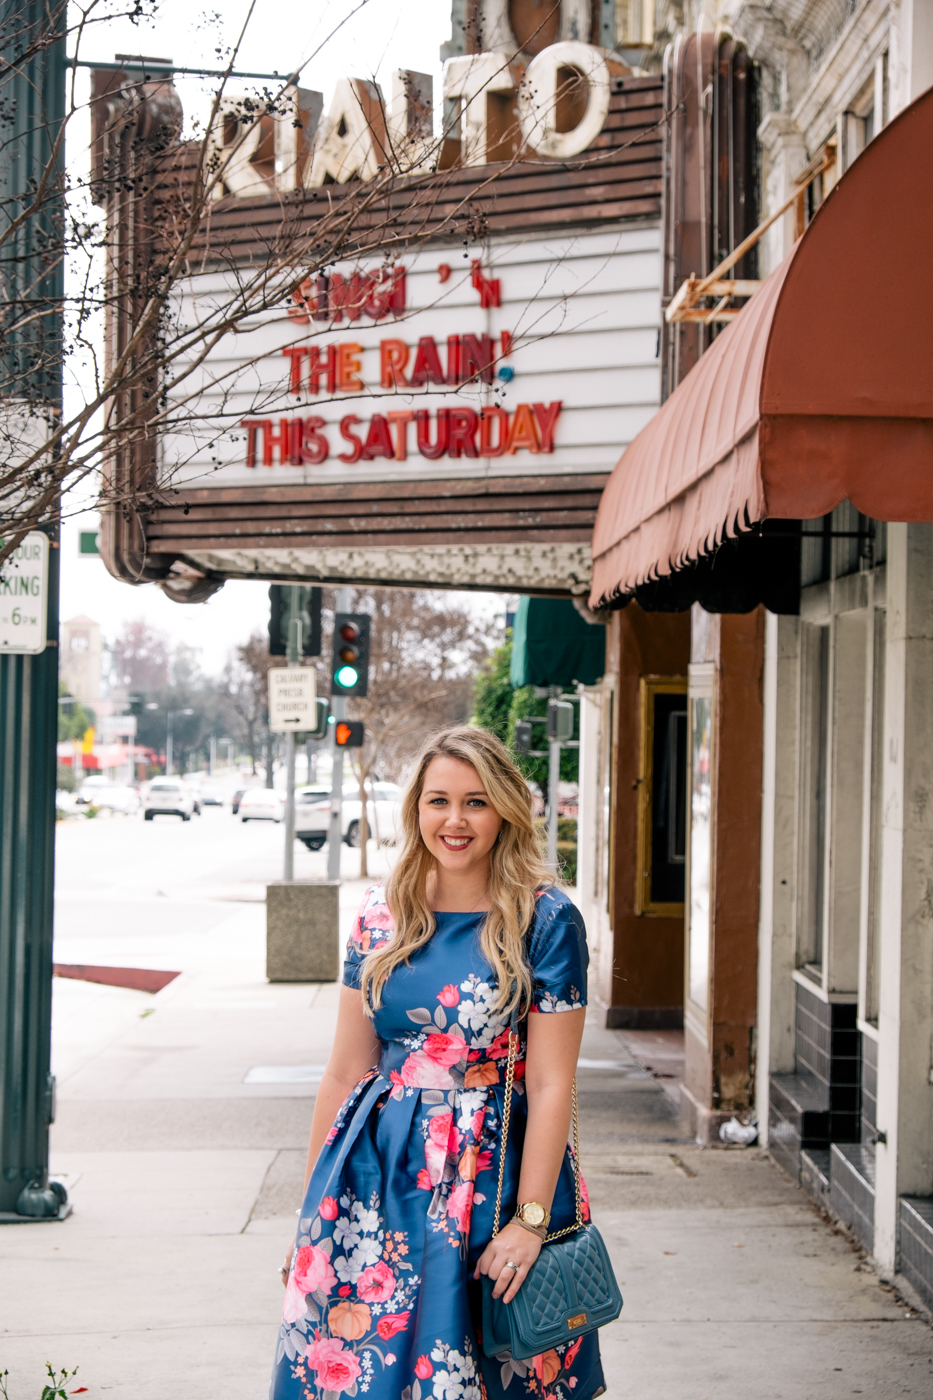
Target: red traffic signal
{"points": [[349, 734]]}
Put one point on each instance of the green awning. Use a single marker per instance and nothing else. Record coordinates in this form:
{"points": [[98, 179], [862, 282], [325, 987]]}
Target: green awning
{"points": [[553, 645]]}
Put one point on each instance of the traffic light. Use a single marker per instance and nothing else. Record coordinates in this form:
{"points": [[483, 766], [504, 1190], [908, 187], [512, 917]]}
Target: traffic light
{"points": [[349, 733], [309, 613], [523, 737], [323, 714], [349, 670], [559, 720], [135, 704]]}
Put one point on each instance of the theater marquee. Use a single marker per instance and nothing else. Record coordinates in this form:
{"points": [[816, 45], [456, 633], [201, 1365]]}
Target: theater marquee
{"points": [[446, 415]]}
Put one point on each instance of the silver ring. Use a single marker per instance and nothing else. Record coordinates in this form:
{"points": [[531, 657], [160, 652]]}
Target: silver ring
{"points": [[510, 1265]]}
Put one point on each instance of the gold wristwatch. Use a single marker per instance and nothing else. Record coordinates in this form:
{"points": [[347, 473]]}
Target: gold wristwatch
{"points": [[533, 1215]]}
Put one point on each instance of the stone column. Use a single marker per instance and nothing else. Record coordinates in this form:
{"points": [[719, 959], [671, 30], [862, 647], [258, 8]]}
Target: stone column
{"points": [[904, 1164], [784, 153], [776, 939]]}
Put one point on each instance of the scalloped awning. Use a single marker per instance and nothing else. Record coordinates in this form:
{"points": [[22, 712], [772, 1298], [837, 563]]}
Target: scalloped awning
{"points": [[821, 390]]}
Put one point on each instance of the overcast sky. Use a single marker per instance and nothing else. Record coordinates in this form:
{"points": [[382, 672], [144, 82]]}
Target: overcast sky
{"points": [[383, 35]]}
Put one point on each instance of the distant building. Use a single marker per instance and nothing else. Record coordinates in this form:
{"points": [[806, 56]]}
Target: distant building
{"points": [[80, 663]]}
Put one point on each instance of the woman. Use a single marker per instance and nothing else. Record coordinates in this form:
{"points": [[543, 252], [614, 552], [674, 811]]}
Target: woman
{"points": [[382, 1292]]}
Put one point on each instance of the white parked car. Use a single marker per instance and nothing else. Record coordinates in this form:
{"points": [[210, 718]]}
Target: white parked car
{"points": [[262, 804], [312, 814], [168, 797], [90, 787], [116, 796]]}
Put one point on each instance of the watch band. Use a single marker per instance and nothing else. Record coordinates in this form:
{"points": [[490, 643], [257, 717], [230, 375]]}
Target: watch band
{"points": [[539, 1230]]}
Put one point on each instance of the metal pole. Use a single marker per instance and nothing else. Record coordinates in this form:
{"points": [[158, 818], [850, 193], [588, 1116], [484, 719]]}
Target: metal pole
{"points": [[338, 709], [553, 786], [292, 658], [32, 95], [288, 872], [168, 744], [212, 756]]}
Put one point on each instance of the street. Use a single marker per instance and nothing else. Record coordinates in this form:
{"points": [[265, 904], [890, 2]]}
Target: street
{"points": [[181, 1129]]}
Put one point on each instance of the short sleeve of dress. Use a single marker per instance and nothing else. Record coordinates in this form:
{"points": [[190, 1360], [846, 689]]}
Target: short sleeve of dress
{"points": [[558, 954], [371, 927]]}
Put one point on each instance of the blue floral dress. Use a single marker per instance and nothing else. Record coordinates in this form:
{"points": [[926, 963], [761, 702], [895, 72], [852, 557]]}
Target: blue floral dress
{"points": [[400, 1204]]}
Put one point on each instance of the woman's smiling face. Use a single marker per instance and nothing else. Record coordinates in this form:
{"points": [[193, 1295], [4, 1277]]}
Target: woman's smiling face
{"points": [[459, 824]]}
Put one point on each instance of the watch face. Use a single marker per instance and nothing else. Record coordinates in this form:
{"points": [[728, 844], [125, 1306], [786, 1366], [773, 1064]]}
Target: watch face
{"points": [[533, 1213]]}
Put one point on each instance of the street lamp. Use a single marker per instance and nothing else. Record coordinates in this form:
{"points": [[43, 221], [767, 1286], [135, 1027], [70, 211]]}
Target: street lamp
{"points": [[169, 730]]}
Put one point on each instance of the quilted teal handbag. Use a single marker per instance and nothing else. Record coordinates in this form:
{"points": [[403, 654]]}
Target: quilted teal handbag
{"points": [[569, 1290]]}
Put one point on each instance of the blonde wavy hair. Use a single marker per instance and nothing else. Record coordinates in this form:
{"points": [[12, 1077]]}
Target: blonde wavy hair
{"points": [[516, 872]]}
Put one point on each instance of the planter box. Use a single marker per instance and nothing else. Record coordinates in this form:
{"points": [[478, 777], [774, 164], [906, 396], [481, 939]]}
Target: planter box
{"points": [[302, 931]]}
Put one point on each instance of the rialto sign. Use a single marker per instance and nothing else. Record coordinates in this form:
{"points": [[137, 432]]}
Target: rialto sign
{"points": [[444, 410]]}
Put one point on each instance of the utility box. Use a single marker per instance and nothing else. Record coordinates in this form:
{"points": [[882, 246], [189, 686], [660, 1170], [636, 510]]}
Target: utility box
{"points": [[302, 931]]}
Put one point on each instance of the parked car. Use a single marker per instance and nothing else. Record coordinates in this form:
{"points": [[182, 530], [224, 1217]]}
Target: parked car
{"points": [[115, 796], [168, 797], [195, 798], [237, 799], [312, 815], [262, 804], [90, 787]]}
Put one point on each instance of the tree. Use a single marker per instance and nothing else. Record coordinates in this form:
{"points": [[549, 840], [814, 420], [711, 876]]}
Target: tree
{"points": [[492, 693], [74, 719], [497, 707], [245, 687], [141, 656]]}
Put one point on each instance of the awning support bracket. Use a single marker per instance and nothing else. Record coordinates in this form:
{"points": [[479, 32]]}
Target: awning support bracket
{"points": [[684, 305]]}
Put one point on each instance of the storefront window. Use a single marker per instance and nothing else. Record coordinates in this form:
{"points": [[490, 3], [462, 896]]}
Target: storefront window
{"points": [[701, 803], [662, 797]]}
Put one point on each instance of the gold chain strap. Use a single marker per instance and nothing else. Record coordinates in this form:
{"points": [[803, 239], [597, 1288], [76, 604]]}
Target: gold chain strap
{"points": [[506, 1118]]}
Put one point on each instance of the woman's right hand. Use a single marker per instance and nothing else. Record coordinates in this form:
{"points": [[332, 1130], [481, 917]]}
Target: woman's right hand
{"points": [[287, 1264]]}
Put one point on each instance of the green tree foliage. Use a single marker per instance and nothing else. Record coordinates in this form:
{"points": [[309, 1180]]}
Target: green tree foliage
{"points": [[492, 694], [496, 707], [73, 718]]}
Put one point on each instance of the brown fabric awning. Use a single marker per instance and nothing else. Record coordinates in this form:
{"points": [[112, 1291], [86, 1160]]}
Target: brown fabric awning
{"points": [[821, 390]]}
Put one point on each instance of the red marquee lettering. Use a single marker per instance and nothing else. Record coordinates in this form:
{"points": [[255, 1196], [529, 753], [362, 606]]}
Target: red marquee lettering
{"points": [[433, 451], [348, 368], [487, 417], [393, 361], [401, 419], [297, 354], [314, 445], [453, 359], [378, 442], [356, 448], [427, 368], [252, 426], [522, 432], [546, 417], [476, 358], [462, 440], [322, 363]]}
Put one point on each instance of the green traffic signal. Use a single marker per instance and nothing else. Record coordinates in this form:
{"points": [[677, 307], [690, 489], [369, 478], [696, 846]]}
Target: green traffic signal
{"points": [[350, 656]]}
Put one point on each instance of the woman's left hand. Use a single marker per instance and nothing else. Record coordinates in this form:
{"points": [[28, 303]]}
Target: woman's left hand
{"points": [[513, 1245]]}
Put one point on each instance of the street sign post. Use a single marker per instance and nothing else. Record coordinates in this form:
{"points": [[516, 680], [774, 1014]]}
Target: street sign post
{"points": [[24, 587], [292, 699]]}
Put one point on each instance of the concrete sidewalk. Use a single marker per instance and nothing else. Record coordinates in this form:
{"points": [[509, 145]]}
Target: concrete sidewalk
{"points": [[185, 1181]]}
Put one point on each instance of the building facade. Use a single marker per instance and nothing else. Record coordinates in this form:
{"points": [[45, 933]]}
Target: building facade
{"points": [[809, 701]]}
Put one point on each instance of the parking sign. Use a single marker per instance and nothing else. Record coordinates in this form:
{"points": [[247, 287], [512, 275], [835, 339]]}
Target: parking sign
{"points": [[292, 699], [24, 580]]}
